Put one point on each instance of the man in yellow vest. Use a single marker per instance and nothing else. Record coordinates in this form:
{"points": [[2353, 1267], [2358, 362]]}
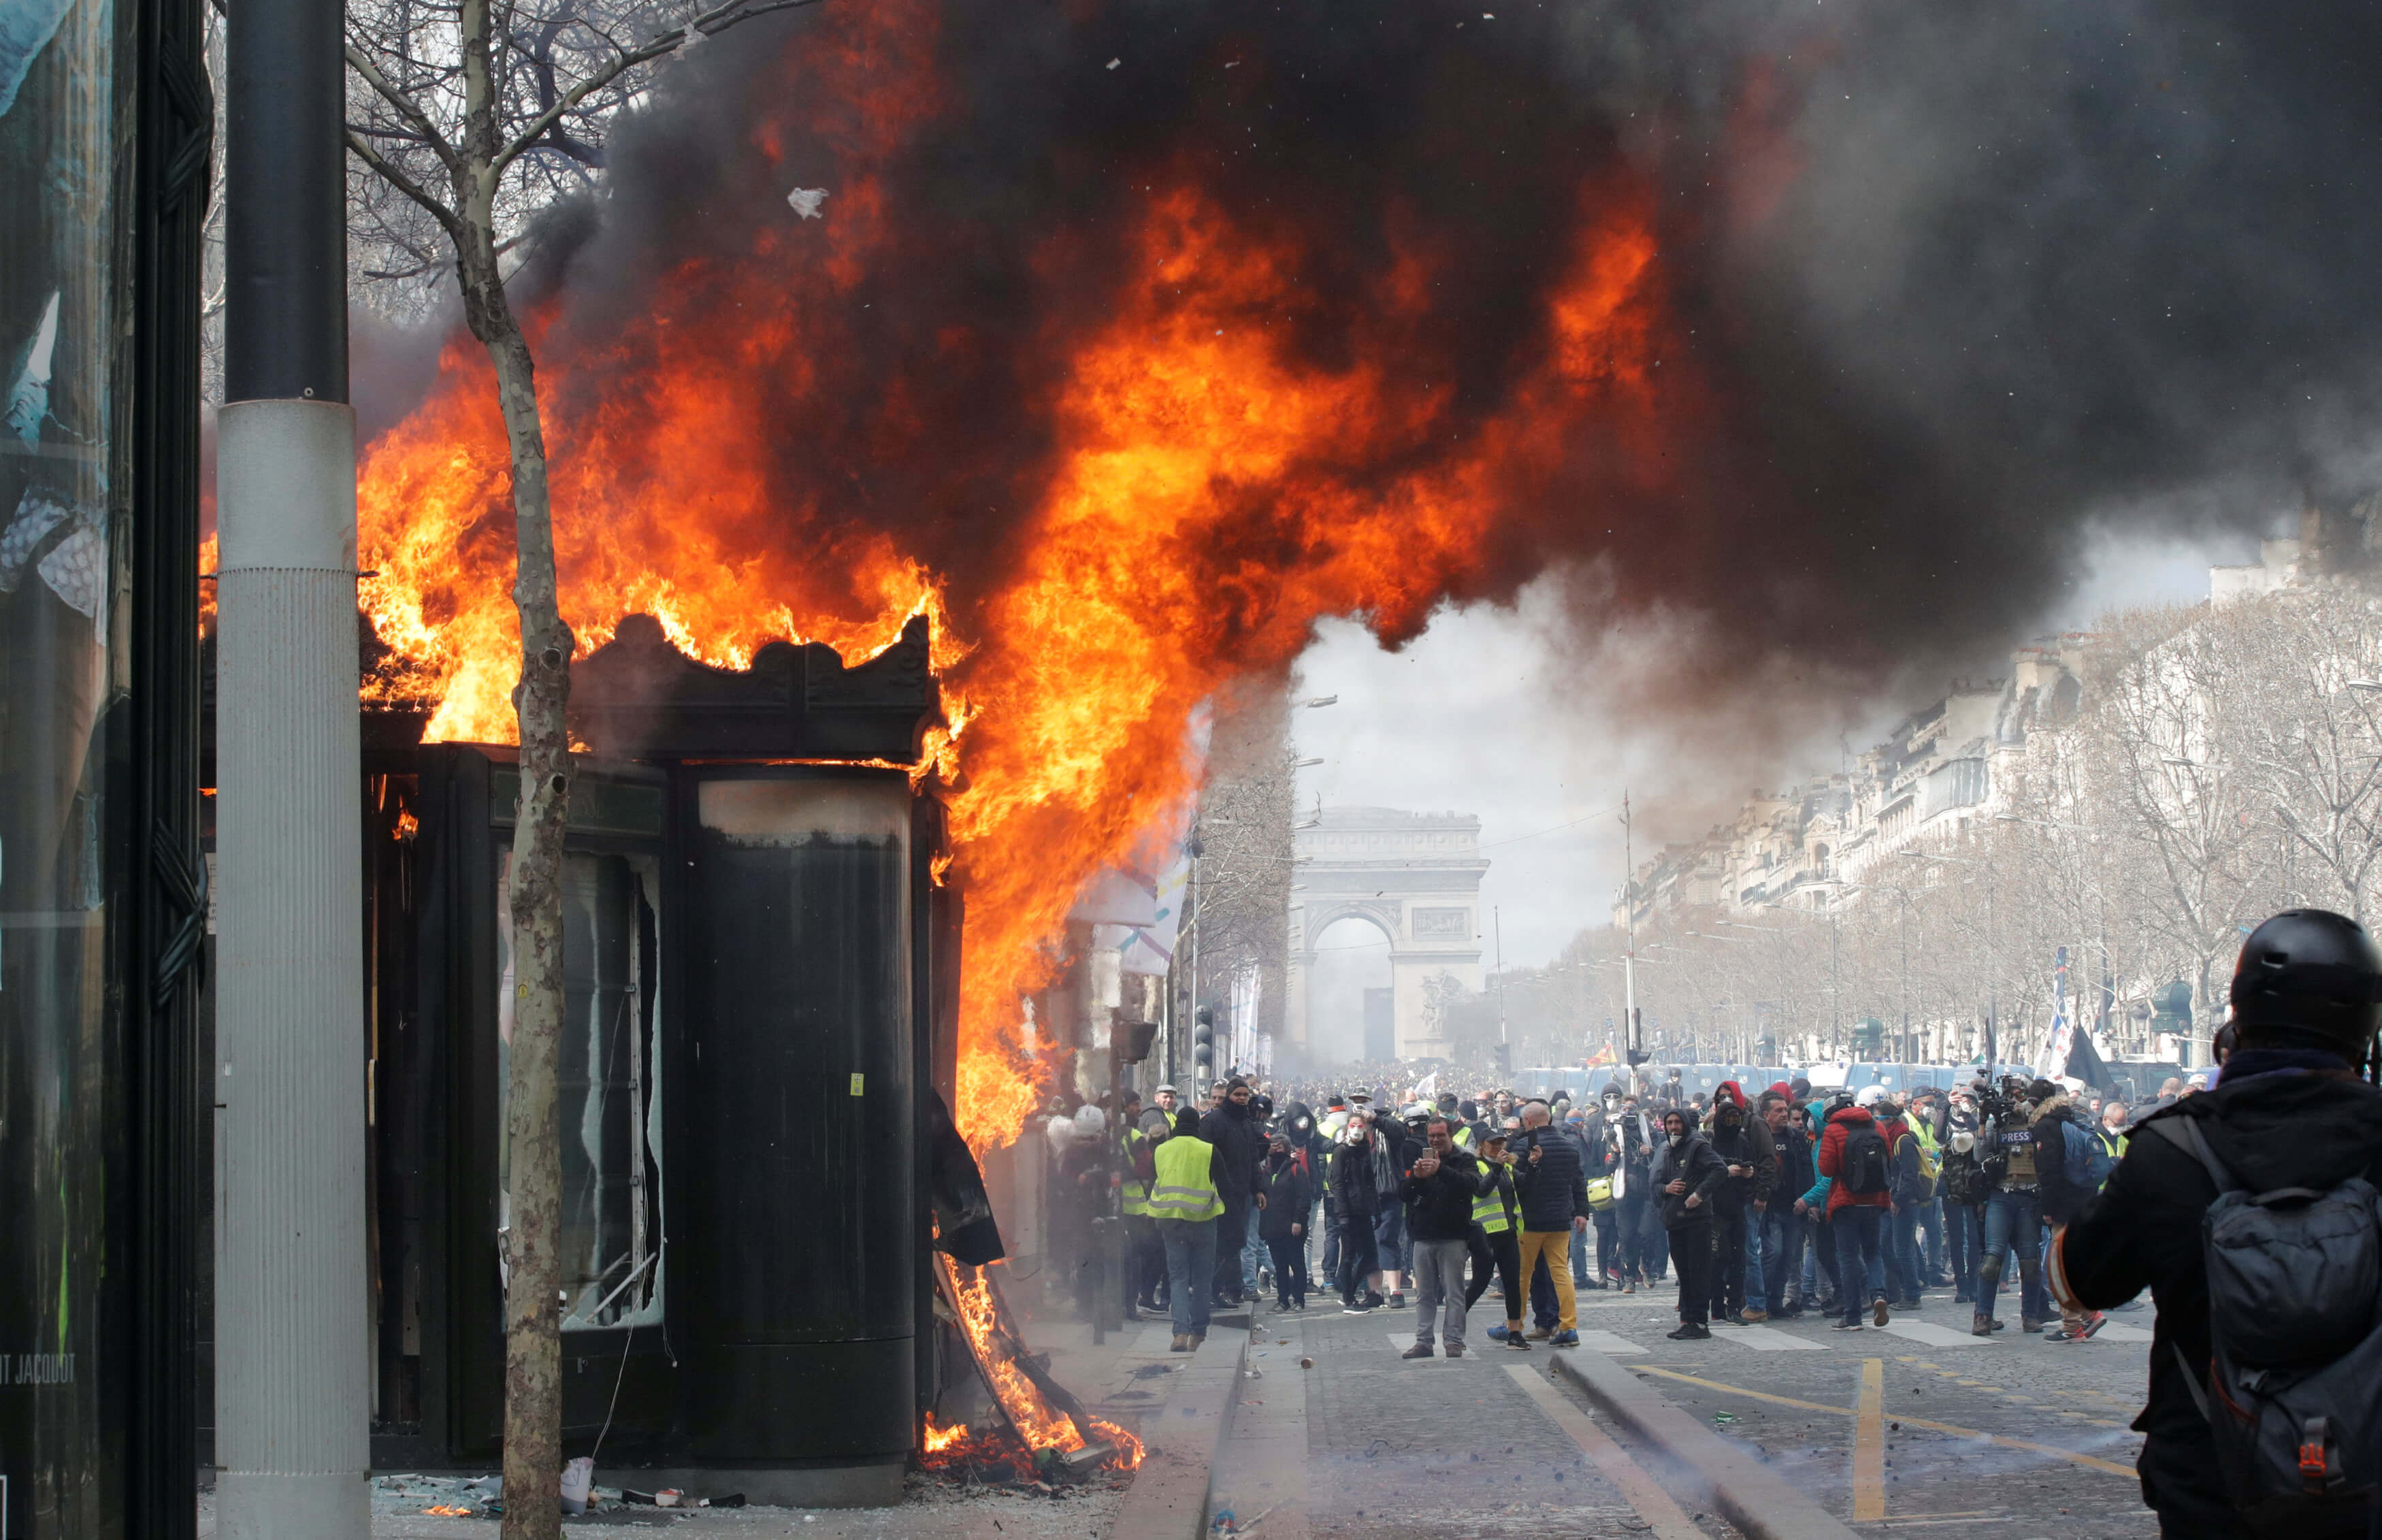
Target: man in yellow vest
{"points": [[1145, 1258], [1183, 1205]]}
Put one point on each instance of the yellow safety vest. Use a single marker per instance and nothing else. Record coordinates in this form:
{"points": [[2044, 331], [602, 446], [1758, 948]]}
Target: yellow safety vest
{"points": [[1137, 1207], [1186, 1188], [1489, 1210], [1930, 1153]]}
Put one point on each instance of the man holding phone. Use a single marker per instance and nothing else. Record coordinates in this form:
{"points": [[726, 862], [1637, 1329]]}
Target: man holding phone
{"points": [[1438, 1191]]}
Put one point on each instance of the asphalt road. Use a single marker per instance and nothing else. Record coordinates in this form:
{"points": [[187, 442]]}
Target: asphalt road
{"points": [[1917, 1428]]}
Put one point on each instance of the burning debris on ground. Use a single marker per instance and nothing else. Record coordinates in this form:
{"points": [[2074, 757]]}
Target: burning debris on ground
{"points": [[1045, 1429]]}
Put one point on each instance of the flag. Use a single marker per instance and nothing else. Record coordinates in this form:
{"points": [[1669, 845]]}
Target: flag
{"points": [[1603, 1055], [2084, 1063], [2063, 1031], [1144, 941]]}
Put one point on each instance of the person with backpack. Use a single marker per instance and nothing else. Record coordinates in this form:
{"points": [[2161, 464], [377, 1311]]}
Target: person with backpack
{"points": [[2250, 1213], [2065, 1167], [1854, 1156]]}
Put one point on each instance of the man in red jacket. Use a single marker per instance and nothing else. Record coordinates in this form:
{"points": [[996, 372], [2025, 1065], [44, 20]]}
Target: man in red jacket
{"points": [[1855, 1158]]}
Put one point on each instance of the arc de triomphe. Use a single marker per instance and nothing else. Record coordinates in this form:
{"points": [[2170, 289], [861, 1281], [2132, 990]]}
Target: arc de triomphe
{"points": [[1416, 877]]}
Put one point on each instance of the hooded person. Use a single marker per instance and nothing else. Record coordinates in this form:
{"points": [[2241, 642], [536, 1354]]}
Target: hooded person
{"points": [[1855, 1161], [1904, 1175], [1354, 1197], [1282, 1224], [1235, 1131], [1744, 1145], [1688, 1174]]}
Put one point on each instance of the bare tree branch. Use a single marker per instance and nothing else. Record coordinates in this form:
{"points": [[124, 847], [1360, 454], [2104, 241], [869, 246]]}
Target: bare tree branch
{"points": [[362, 151], [405, 107], [710, 24]]}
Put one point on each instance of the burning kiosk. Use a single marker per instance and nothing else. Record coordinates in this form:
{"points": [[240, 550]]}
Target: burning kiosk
{"points": [[760, 1004]]}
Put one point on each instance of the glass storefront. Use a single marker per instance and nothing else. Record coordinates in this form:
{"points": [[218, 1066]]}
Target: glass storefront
{"points": [[59, 678], [104, 125]]}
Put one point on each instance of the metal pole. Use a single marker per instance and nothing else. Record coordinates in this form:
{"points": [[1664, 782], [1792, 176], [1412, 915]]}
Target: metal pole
{"points": [[291, 1413], [1630, 1033], [1497, 925], [1198, 914], [1909, 1050]]}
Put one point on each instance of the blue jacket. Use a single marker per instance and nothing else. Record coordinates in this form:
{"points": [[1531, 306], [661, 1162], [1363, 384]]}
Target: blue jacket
{"points": [[2064, 1195]]}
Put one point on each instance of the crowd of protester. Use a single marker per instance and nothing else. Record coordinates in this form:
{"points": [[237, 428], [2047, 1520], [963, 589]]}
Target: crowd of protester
{"points": [[1761, 1203]]}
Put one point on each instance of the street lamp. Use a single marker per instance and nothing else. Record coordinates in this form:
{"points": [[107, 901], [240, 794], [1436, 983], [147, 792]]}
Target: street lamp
{"points": [[1314, 702]]}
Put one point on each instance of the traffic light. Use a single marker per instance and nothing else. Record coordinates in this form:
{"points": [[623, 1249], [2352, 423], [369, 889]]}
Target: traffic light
{"points": [[1505, 1060]]}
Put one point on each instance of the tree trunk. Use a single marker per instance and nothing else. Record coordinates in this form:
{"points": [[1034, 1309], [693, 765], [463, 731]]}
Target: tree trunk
{"points": [[532, 1315]]}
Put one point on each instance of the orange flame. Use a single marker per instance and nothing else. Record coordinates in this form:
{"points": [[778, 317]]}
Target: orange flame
{"points": [[1209, 492], [976, 1298]]}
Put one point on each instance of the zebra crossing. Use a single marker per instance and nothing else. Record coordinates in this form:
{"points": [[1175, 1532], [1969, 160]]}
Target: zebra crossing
{"points": [[1771, 1340]]}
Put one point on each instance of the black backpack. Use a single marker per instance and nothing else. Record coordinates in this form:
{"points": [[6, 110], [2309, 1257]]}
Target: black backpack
{"points": [[1862, 1168], [2293, 1397]]}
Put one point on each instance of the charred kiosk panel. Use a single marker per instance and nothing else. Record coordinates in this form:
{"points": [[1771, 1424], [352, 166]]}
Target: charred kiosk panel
{"points": [[803, 1072]]}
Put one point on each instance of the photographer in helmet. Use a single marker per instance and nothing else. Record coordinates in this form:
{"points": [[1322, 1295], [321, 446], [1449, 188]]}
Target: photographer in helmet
{"points": [[2296, 1135]]}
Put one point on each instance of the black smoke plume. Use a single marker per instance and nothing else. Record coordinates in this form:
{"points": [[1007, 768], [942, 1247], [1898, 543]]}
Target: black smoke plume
{"points": [[1968, 281]]}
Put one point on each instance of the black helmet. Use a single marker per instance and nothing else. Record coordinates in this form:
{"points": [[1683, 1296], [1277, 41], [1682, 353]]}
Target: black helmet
{"points": [[2310, 973]]}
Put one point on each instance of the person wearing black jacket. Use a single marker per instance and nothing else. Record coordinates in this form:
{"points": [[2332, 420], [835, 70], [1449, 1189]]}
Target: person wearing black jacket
{"points": [[1356, 1200], [2288, 1111], [1282, 1224], [1553, 1197], [1233, 1129], [1688, 1174], [1439, 1190], [1743, 1144], [1962, 1182], [1782, 1226]]}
